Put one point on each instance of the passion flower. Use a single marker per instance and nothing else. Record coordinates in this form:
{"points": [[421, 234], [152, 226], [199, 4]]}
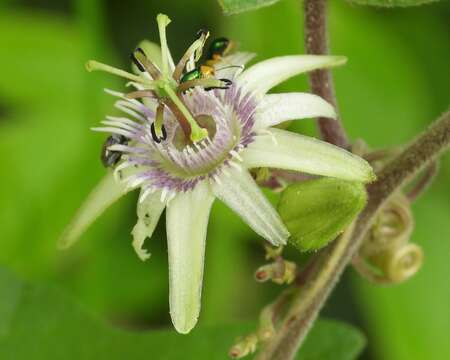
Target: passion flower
{"points": [[188, 143]]}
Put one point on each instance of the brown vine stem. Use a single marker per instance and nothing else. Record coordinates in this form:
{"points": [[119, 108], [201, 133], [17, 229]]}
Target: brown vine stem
{"points": [[424, 182], [321, 81], [393, 177]]}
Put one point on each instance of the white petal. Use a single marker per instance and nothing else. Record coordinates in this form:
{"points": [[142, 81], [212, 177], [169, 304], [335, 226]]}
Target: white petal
{"points": [[239, 58], [240, 192], [187, 219], [276, 108], [286, 150], [104, 194], [263, 76], [149, 210]]}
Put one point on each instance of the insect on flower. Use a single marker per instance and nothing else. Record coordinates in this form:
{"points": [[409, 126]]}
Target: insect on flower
{"points": [[110, 158], [187, 148], [217, 50]]}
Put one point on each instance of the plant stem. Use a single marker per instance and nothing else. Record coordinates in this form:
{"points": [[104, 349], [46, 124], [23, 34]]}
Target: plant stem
{"points": [[396, 174], [321, 81], [413, 159], [424, 182]]}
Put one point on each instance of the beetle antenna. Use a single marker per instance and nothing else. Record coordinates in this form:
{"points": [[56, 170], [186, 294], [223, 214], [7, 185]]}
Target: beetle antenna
{"points": [[231, 66]]}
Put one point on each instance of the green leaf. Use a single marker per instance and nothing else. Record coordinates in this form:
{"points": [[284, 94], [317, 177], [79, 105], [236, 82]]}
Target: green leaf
{"points": [[43, 323], [237, 6], [392, 3], [332, 340], [10, 290], [316, 211]]}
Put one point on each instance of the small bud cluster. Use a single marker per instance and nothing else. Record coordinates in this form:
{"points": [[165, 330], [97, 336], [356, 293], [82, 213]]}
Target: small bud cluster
{"points": [[280, 271], [244, 347]]}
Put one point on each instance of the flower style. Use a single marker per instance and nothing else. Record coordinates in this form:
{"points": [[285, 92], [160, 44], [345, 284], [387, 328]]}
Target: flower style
{"points": [[187, 143]]}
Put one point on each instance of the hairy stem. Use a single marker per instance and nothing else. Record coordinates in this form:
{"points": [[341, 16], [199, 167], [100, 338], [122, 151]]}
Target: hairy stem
{"points": [[396, 174], [424, 182], [413, 159], [321, 81]]}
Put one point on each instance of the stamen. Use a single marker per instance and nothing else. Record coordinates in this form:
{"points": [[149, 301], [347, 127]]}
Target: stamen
{"points": [[145, 64], [196, 50], [195, 57], [225, 85], [160, 136], [159, 120], [93, 65], [137, 63], [207, 84], [201, 32], [163, 22]]}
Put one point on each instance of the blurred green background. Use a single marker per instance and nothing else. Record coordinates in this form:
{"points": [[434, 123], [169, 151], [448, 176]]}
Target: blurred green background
{"points": [[395, 83]]}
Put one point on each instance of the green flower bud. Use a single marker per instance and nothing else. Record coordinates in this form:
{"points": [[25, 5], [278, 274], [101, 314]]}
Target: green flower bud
{"points": [[317, 211]]}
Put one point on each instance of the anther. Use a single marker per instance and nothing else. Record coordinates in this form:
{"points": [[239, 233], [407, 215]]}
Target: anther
{"points": [[227, 82], [155, 137], [226, 85], [164, 133], [202, 32], [141, 51], [137, 63]]}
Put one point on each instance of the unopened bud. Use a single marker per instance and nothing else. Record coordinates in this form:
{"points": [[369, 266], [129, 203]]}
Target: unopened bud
{"points": [[263, 273], [244, 347], [316, 211], [280, 272]]}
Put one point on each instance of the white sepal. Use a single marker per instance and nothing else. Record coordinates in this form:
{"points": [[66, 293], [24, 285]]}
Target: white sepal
{"points": [[149, 210], [240, 192], [287, 150], [266, 74], [277, 108], [186, 221], [101, 197]]}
